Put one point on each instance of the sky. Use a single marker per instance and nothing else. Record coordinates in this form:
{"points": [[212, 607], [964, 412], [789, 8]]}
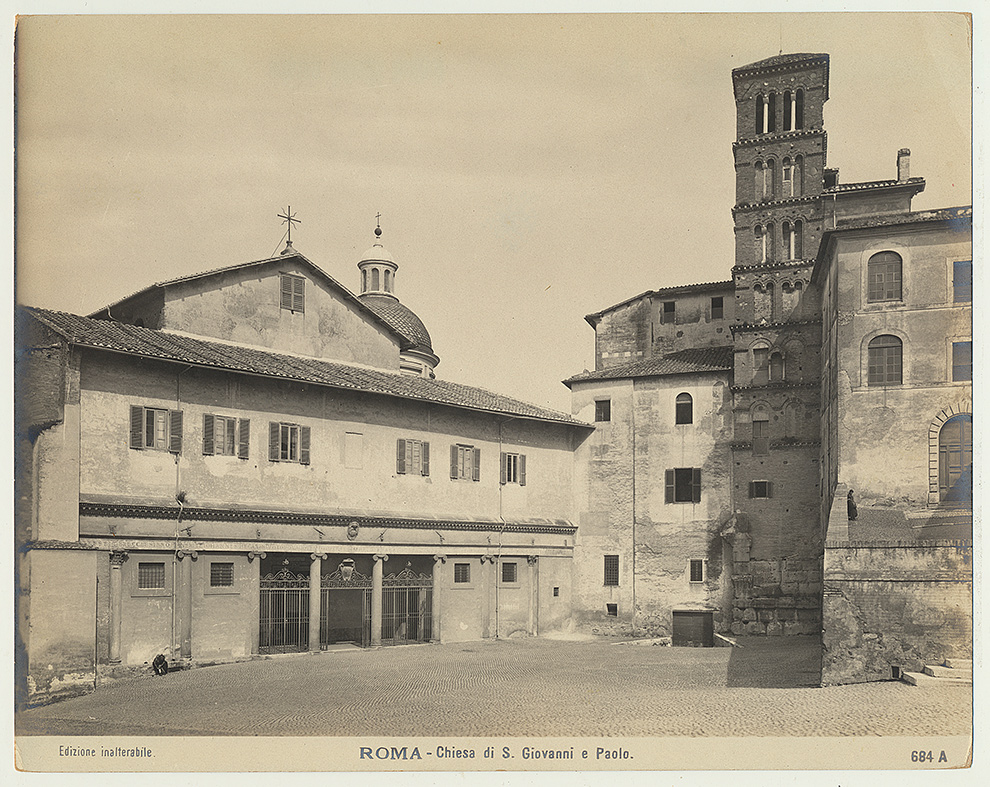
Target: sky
{"points": [[529, 170]]}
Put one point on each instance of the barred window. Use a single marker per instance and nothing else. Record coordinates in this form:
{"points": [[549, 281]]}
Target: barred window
{"points": [[612, 610], [221, 575], [697, 571], [884, 361], [962, 281], [611, 570], [462, 573], [603, 410], [884, 277], [509, 572], [151, 576]]}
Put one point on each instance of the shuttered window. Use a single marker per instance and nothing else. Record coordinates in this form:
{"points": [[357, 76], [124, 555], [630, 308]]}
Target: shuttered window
{"points": [[412, 457], [683, 485], [465, 463], [225, 436], [292, 292], [158, 429], [288, 443], [513, 469]]}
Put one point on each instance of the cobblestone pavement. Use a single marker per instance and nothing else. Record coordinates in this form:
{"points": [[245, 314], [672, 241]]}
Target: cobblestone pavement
{"points": [[516, 687]]}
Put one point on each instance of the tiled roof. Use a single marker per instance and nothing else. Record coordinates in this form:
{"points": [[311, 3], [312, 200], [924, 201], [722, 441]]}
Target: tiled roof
{"points": [[942, 214], [680, 289], [401, 318], [780, 60], [874, 184], [700, 359], [146, 342]]}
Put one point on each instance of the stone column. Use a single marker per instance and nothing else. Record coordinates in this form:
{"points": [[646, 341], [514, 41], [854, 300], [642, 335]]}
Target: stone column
{"points": [[534, 594], [315, 597], [117, 559], [438, 561], [182, 598], [486, 591], [256, 596], [376, 600]]}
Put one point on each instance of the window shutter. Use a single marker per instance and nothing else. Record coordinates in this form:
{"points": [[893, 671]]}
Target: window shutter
{"points": [[696, 484], [175, 431], [274, 430], [286, 292], [502, 474], [669, 483], [400, 456], [769, 488], [522, 469], [752, 489], [304, 445], [137, 427], [298, 283], [477, 465], [207, 434], [425, 462], [453, 461], [243, 437]]}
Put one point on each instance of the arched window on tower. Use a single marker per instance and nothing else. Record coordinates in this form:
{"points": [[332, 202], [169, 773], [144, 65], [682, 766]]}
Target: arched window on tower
{"points": [[375, 279], [955, 460], [798, 108], [761, 365], [388, 280], [797, 247], [763, 301], [884, 361], [798, 177], [787, 178], [769, 182], [684, 409], [788, 235], [771, 113], [761, 114], [758, 180], [776, 367], [771, 246], [761, 432], [761, 244]]}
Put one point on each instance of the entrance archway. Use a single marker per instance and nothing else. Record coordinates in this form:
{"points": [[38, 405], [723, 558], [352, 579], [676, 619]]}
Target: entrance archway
{"points": [[955, 460]]}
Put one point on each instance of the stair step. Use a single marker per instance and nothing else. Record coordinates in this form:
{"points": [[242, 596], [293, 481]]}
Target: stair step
{"points": [[920, 679], [947, 672], [966, 664]]}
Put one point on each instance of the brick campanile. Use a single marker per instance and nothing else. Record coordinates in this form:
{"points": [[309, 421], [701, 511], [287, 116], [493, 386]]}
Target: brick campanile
{"points": [[779, 156]]}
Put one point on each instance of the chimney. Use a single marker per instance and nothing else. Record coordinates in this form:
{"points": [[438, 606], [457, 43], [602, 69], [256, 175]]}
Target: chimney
{"points": [[903, 165], [831, 178]]}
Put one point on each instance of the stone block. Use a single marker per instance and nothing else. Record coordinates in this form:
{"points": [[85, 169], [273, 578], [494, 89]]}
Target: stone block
{"points": [[789, 588], [766, 615], [739, 628], [786, 601], [756, 628], [749, 615], [774, 629], [806, 602], [786, 614], [809, 588], [764, 603], [767, 591]]}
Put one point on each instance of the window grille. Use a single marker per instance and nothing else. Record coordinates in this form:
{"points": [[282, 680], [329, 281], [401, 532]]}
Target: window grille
{"points": [[884, 277], [221, 575], [462, 573], [151, 576], [611, 570], [292, 292], [962, 361], [509, 572], [884, 361], [603, 410], [697, 570], [612, 610], [962, 281]]}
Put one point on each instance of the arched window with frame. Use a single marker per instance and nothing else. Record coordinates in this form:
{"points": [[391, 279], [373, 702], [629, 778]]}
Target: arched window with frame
{"points": [[770, 187], [776, 367], [884, 361], [761, 243], [955, 460], [761, 114], [798, 177], [787, 177], [684, 409], [761, 365], [788, 110], [799, 108], [375, 279], [883, 273]]}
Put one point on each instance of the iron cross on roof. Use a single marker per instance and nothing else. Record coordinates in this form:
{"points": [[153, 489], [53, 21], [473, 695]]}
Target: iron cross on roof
{"points": [[289, 218]]}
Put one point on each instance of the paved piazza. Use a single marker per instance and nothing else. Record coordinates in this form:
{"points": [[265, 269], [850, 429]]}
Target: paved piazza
{"points": [[532, 687]]}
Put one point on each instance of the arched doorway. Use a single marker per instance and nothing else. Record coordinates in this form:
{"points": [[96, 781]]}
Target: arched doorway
{"points": [[955, 460]]}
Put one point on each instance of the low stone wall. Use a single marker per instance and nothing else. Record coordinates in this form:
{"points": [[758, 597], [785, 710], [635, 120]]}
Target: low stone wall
{"points": [[894, 603], [775, 597]]}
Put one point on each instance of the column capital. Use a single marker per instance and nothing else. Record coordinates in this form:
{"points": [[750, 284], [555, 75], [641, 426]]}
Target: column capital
{"points": [[318, 556], [439, 558], [487, 559], [117, 558], [184, 553], [531, 559], [381, 558], [252, 555]]}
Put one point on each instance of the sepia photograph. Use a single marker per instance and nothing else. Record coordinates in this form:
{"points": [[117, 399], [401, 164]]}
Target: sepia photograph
{"points": [[493, 392]]}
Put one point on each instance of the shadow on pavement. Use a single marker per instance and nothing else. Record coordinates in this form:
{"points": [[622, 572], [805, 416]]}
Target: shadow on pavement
{"points": [[776, 662]]}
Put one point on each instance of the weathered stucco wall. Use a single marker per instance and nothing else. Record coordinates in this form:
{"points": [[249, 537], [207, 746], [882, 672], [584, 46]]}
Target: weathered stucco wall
{"points": [[895, 604], [337, 478]]}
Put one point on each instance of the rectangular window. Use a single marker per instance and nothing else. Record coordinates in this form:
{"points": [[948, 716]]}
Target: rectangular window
{"points": [[603, 410], [884, 277], [225, 436], [761, 365], [151, 576], [761, 437], [509, 572], [612, 610], [611, 570], [717, 308], [962, 361], [513, 469], [465, 463], [884, 361], [221, 575], [760, 489], [667, 314], [412, 457], [962, 281], [157, 429], [288, 443], [292, 292], [683, 485], [462, 573], [697, 571]]}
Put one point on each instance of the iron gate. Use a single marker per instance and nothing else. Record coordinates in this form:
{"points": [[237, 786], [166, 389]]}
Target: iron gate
{"points": [[345, 608], [407, 607], [284, 614]]}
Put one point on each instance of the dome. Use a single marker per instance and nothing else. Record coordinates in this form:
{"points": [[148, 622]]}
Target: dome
{"points": [[377, 253], [401, 318]]}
